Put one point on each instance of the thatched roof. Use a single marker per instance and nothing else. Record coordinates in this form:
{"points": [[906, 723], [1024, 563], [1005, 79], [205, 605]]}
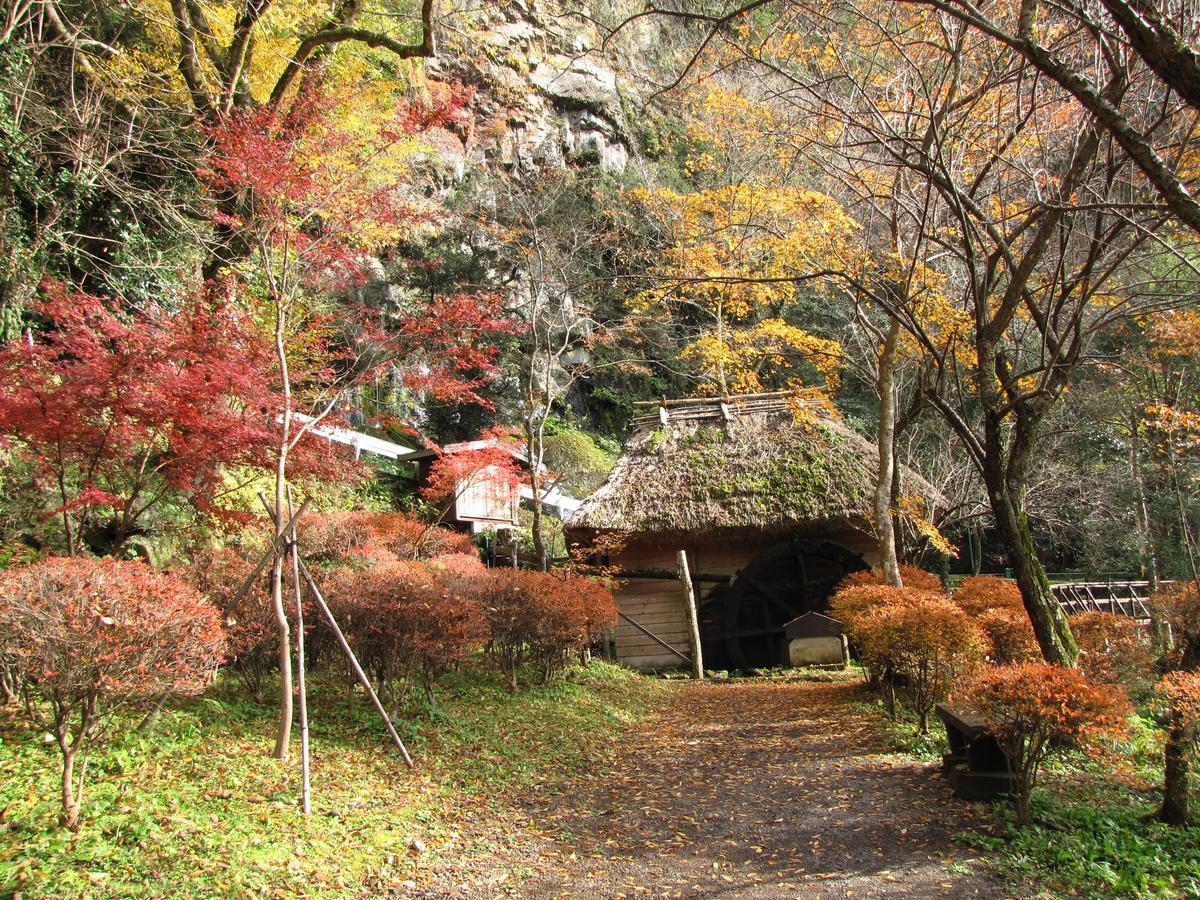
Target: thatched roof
{"points": [[740, 463]]}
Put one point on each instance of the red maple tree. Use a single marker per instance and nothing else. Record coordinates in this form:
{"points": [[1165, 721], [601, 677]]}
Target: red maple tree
{"points": [[493, 462], [119, 412], [305, 200]]}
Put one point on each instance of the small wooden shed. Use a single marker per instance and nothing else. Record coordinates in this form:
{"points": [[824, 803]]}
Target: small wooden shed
{"points": [[815, 639], [770, 499]]}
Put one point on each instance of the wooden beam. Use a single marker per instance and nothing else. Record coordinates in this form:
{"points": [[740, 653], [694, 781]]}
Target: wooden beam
{"points": [[667, 575], [700, 401]]}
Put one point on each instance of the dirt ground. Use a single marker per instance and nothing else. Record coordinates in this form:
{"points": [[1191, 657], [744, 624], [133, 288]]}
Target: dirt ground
{"points": [[746, 789]]}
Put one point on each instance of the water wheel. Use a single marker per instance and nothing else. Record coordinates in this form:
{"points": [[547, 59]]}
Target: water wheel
{"points": [[742, 622]]}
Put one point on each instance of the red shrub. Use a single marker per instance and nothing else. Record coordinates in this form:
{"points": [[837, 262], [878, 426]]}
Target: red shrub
{"points": [[540, 617], [411, 540], [249, 620], [406, 619], [502, 592], [438, 622], [463, 566], [340, 535], [1035, 709], [1113, 649], [336, 535], [981, 593], [924, 641], [89, 635]]}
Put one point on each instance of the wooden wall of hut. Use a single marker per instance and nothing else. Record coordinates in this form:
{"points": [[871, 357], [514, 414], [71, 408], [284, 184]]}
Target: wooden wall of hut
{"points": [[766, 583]]}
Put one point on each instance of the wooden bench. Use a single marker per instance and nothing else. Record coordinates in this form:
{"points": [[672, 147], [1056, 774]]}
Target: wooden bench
{"points": [[976, 765]]}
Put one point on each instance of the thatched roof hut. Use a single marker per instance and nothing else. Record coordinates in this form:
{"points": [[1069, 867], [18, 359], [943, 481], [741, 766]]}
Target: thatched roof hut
{"points": [[770, 498], [762, 468]]}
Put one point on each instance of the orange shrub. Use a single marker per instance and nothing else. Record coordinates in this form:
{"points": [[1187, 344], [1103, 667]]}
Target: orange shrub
{"points": [[926, 642], [981, 593], [1113, 648], [1180, 694], [912, 576], [1010, 635], [1178, 607], [852, 604], [1035, 709]]}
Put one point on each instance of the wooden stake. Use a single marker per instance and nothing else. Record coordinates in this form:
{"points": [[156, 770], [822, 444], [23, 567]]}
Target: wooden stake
{"points": [[276, 547], [305, 759], [362, 676], [345, 645], [689, 596]]}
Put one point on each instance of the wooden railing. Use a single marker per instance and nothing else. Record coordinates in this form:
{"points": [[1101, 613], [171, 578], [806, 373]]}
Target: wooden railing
{"points": [[1125, 598]]}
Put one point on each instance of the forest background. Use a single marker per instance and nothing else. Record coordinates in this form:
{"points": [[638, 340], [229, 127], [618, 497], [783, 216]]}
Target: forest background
{"points": [[624, 207]]}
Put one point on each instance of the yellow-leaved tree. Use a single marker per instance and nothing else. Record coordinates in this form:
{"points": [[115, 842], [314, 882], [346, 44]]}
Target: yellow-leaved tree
{"points": [[735, 257]]}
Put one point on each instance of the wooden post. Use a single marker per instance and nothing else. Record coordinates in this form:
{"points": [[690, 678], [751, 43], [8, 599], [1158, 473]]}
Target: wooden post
{"points": [[689, 596]]}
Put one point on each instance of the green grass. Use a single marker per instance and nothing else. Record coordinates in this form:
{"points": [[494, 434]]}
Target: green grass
{"points": [[1093, 834], [901, 734], [200, 809]]}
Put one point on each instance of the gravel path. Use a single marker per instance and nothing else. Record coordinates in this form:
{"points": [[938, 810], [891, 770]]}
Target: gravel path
{"points": [[747, 789]]}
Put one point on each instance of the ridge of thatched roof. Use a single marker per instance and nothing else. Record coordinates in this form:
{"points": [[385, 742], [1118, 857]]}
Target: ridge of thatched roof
{"points": [[757, 462]]}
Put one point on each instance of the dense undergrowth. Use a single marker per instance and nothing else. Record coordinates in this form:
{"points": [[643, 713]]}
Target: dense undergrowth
{"points": [[200, 809]]}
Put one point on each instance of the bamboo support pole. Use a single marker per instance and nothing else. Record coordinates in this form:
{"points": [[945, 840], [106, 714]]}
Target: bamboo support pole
{"points": [[358, 671], [272, 551]]}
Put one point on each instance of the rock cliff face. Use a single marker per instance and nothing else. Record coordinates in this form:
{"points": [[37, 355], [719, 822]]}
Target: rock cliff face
{"points": [[545, 95]]}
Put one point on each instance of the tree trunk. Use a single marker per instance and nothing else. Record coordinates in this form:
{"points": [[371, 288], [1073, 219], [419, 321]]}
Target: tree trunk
{"points": [[1004, 471], [283, 733], [1023, 800], [1146, 550], [9, 692], [146, 726], [1175, 808], [535, 484], [70, 800], [885, 525], [1050, 625]]}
